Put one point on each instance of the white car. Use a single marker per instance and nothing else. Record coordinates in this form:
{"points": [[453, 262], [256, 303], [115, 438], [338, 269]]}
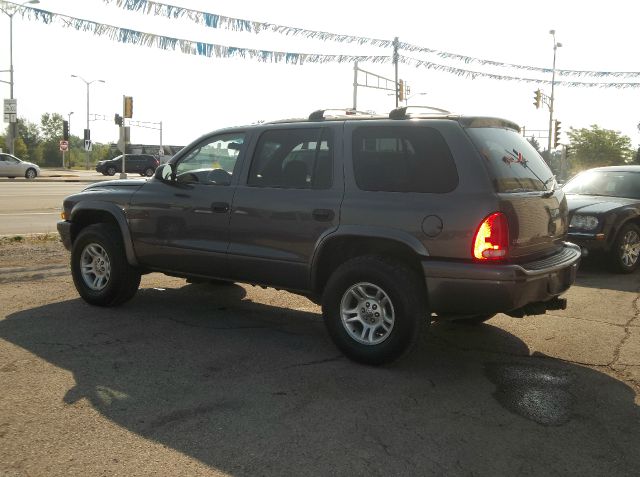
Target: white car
{"points": [[11, 166]]}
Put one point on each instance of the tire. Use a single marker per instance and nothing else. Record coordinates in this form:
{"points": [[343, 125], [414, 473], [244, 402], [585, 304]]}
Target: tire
{"points": [[625, 254], [149, 171], [355, 291], [30, 173], [111, 171], [106, 279]]}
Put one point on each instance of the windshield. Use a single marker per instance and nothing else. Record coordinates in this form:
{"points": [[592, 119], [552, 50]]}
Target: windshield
{"points": [[607, 183], [514, 163]]}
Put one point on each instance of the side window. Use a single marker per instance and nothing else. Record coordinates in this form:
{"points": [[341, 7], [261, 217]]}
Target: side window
{"points": [[293, 158], [212, 161], [403, 159]]}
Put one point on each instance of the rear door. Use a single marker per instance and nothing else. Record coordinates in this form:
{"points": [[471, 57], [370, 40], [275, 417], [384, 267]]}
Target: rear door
{"points": [[288, 200], [535, 207]]}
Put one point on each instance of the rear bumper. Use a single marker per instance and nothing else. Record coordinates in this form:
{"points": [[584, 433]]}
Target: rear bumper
{"points": [[471, 288]]}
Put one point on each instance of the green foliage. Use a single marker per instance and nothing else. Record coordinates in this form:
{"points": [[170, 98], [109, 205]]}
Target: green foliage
{"points": [[51, 126], [20, 149], [534, 142], [597, 147]]}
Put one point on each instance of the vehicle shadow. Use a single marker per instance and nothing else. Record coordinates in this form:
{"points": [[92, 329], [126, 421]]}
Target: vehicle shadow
{"points": [[250, 388], [595, 272]]}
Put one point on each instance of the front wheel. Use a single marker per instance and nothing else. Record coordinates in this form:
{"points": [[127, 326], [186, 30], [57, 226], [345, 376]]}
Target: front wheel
{"points": [[99, 266], [111, 171], [374, 310], [30, 173], [626, 249]]}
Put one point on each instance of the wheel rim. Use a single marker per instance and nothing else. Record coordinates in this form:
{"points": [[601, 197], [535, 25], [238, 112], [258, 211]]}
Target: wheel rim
{"points": [[31, 174], [111, 171], [95, 266], [630, 248], [148, 172], [367, 313]]}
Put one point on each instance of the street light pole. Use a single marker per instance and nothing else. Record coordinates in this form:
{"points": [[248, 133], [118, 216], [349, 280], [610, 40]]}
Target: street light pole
{"points": [[556, 45], [88, 83], [12, 124]]}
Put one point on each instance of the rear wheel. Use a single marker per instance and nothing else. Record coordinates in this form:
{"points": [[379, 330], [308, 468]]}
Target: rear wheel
{"points": [[99, 266], [148, 172], [30, 173], [626, 249], [374, 310]]}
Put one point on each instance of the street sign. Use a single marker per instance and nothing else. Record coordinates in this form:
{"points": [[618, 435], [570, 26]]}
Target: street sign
{"points": [[87, 145], [10, 118], [64, 145], [10, 106]]}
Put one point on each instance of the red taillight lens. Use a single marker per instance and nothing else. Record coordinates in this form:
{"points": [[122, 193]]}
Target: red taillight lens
{"points": [[491, 241]]}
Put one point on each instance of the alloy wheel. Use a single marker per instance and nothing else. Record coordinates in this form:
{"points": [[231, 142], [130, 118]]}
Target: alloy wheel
{"points": [[367, 313]]}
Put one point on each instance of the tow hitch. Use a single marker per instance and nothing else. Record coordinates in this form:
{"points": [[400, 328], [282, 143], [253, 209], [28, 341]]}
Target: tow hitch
{"points": [[539, 308]]}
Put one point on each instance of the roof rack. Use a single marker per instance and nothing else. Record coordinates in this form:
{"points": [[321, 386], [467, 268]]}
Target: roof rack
{"points": [[401, 113], [319, 115]]}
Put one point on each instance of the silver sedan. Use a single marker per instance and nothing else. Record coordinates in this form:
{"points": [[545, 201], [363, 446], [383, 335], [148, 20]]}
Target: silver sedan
{"points": [[11, 166]]}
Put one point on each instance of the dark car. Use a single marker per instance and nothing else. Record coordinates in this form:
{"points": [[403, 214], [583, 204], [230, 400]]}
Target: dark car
{"points": [[389, 222], [143, 164], [604, 209]]}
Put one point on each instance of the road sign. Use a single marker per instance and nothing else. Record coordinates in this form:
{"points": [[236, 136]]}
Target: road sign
{"points": [[87, 145], [64, 145], [10, 118], [10, 106]]}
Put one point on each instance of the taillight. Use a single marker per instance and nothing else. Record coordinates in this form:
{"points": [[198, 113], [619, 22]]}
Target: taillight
{"points": [[491, 241]]}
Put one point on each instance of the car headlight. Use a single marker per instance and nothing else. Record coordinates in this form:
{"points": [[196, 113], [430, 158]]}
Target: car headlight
{"points": [[584, 222]]}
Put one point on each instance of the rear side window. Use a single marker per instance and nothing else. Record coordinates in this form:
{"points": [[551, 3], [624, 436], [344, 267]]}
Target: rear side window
{"points": [[293, 158], [403, 159], [514, 164]]}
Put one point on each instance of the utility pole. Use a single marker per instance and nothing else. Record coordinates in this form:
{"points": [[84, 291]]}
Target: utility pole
{"points": [[355, 86], [396, 43], [556, 45]]}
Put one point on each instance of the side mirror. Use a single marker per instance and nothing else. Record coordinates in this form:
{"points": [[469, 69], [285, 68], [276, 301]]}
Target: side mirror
{"points": [[165, 172]]}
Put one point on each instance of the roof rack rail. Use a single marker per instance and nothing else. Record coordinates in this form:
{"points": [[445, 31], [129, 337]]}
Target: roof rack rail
{"points": [[318, 115], [401, 113]]}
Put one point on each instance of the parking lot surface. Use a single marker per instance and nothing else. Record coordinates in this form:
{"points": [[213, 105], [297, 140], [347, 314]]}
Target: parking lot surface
{"points": [[235, 380]]}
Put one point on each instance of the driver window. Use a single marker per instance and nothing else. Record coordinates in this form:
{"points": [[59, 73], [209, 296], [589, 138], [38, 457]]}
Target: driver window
{"points": [[212, 161]]}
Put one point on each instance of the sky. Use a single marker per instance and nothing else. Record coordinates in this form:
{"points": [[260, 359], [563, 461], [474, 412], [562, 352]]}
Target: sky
{"points": [[193, 95]]}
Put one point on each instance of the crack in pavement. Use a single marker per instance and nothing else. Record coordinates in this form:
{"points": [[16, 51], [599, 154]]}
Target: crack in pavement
{"points": [[627, 333]]}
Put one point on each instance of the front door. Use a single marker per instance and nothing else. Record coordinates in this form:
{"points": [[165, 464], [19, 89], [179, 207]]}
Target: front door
{"points": [[289, 198], [180, 224]]}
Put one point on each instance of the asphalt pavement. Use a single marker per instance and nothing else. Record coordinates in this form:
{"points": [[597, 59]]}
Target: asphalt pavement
{"points": [[235, 380]]}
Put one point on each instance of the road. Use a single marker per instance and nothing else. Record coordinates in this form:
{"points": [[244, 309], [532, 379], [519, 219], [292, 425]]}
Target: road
{"points": [[32, 206], [189, 380]]}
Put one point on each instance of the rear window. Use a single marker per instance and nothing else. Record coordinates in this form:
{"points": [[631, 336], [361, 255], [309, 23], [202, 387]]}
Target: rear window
{"points": [[403, 159], [514, 164]]}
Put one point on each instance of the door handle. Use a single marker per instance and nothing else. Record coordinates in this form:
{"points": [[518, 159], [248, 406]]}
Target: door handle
{"points": [[220, 207], [323, 215]]}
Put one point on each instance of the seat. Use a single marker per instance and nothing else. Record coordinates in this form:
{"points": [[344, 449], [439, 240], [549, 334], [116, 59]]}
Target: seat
{"points": [[294, 174]]}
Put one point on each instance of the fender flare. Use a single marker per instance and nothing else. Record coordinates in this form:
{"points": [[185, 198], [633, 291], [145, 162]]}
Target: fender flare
{"points": [[119, 215]]}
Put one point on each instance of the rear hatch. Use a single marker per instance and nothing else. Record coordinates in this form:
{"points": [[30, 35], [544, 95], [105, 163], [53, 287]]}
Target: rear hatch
{"points": [[534, 205]]}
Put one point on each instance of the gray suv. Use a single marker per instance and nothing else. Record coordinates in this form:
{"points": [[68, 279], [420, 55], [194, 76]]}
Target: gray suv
{"points": [[389, 222]]}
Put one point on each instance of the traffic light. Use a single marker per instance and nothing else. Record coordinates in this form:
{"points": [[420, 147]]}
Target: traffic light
{"points": [[400, 90], [128, 106], [537, 98], [65, 130], [118, 119], [556, 134]]}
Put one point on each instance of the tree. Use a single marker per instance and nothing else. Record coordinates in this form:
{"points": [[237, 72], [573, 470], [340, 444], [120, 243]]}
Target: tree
{"points": [[51, 126], [534, 142], [596, 147]]}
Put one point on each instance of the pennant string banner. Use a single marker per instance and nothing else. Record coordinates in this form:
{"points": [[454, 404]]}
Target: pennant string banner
{"points": [[213, 20], [124, 35], [478, 74], [128, 36]]}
